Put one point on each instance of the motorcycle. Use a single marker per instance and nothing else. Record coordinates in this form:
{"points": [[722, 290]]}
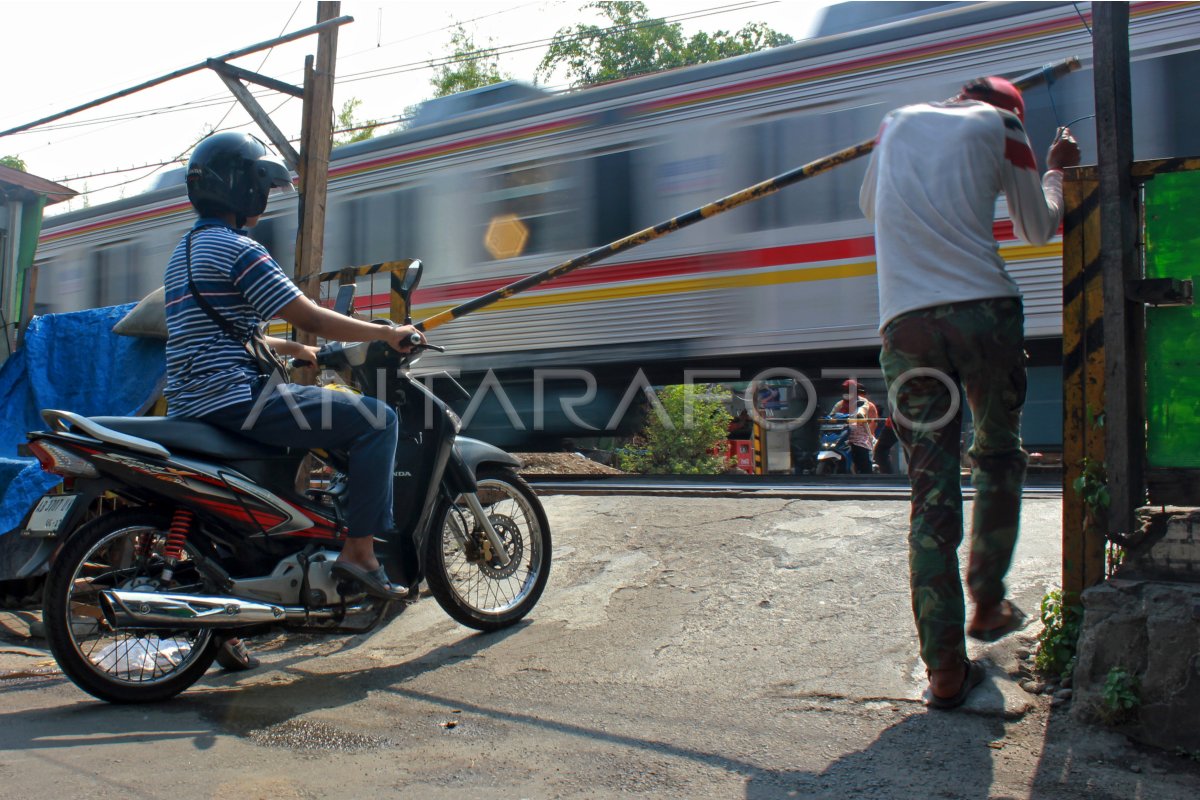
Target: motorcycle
{"points": [[834, 456], [213, 539]]}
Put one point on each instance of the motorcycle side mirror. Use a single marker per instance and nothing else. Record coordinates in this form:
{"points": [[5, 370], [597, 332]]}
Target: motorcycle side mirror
{"points": [[344, 304], [408, 285]]}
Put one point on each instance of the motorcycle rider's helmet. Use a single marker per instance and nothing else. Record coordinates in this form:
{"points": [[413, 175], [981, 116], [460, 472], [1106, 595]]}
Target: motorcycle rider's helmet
{"points": [[233, 173]]}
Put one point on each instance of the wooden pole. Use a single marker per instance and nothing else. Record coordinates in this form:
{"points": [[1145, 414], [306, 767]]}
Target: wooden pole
{"points": [[314, 158], [259, 115], [1124, 419]]}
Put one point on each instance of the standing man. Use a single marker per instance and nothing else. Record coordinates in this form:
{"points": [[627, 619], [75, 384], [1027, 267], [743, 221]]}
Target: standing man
{"points": [[861, 413], [951, 314]]}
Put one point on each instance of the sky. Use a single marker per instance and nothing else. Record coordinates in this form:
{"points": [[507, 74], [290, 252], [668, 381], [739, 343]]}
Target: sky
{"points": [[59, 55]]}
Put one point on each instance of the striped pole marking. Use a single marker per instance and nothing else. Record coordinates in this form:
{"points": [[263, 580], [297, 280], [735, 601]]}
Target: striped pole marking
{"points": [[1083, 375]]}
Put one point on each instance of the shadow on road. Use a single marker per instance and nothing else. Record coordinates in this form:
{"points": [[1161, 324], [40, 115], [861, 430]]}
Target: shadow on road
{"points": [[935, 754]]}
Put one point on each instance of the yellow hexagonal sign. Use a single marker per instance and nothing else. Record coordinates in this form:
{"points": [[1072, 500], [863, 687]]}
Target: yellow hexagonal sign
{"points": [[506, 236]]}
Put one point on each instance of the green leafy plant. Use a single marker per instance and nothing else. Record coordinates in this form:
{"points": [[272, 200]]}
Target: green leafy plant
{"points": [[630, 42], [353, 129], [1121, 695], [684, 434], [1059, 637], [1092, 487], [467, 67]]}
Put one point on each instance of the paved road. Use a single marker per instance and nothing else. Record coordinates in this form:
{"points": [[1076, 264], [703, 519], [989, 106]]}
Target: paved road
{"points": [[686, 647]]}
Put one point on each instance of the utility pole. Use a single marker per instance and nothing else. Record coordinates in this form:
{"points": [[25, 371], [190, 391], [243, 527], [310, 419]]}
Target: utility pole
{"points": [[1124, 417], [315, 144]]}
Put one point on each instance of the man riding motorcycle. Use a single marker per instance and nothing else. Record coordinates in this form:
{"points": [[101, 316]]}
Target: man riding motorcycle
{"points": [[220, 286]]}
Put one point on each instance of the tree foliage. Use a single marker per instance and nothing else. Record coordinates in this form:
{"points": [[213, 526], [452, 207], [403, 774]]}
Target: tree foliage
{"points": [[346, 120], [467, 66], [687, 437], [13, 162], [635, 44]]}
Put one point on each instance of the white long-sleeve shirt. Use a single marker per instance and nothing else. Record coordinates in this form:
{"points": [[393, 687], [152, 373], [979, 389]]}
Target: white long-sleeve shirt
{"points": [[931, 189]]}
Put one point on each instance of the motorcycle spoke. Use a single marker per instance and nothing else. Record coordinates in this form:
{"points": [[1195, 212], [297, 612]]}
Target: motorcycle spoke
{"points": [[128, 558]]}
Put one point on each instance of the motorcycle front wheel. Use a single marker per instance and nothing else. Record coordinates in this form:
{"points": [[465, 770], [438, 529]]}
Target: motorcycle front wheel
{"points": [[121, 550], [469, 581]]}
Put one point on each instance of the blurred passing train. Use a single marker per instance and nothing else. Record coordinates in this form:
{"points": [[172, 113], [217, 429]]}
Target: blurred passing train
{"points": [[787, 281]]}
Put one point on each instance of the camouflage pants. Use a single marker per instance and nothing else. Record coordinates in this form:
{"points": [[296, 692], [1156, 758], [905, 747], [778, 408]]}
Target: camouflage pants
{"points": [[980, 346]]}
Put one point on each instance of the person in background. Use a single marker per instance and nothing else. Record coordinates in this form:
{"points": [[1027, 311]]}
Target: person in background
{"points": [[862, 414], [950, 313]]}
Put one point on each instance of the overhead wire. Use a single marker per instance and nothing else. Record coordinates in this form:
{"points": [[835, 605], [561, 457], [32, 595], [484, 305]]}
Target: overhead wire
{"points": [[218, 100], [216, 128], [467, 57], [179, 159], [261, 64]]}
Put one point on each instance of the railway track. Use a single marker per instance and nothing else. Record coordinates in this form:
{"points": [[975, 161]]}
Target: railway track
{"points": [[809, 488]]}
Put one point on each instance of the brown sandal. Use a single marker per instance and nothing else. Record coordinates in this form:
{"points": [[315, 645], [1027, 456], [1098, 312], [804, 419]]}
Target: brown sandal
{"points": [[972, 677], [1016, 621]]}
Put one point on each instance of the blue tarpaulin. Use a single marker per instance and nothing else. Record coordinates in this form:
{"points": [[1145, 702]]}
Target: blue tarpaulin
{"points": [[73, 362]]}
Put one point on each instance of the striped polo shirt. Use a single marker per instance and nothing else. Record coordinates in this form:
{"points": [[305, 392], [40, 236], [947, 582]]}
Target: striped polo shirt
{"points": [[207, 369]]}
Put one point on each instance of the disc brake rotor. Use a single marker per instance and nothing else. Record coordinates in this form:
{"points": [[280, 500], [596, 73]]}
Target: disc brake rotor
{"points": [[510, 536]]}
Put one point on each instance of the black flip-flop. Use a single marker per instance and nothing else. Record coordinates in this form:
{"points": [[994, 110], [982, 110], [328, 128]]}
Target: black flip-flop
{"points": [[1016, 621], [375, 582], [972, 678]]}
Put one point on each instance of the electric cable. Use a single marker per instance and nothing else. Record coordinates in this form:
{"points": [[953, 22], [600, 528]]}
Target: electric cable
{"points": [[381, 72], [1082, 18], [177, 160], [218, 100], [261, 64]]}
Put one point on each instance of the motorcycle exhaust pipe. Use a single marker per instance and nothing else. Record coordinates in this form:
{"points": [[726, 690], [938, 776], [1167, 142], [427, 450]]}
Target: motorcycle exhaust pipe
{"points": [[183, 611]]}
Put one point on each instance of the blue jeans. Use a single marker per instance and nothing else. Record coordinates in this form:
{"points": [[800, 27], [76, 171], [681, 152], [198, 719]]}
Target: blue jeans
{"points": [[291, 415]]}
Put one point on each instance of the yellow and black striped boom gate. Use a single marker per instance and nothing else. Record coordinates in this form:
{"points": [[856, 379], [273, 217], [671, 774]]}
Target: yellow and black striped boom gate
{"points": [[1047, 74]]}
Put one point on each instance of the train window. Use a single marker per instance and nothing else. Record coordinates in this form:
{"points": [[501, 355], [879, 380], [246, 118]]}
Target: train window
{"points": [[1166, 125], [613, 197], [265, 233], [543, 197], [778, 145], [116, 274], [382, 226]]}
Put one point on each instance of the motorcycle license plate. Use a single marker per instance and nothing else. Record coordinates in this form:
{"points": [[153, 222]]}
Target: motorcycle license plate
{"points": [[50, 513]]}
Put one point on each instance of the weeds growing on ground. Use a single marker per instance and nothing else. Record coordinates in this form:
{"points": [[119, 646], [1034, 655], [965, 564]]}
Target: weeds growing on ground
{"points": [[1121, 695], [1059, 636]]}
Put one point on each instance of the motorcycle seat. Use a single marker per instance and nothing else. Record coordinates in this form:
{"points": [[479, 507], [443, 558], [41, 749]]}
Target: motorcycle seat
{"points": [[195, 436]]}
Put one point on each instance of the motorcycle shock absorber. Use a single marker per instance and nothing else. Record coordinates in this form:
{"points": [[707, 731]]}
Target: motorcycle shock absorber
{"points": [[181, 525]]}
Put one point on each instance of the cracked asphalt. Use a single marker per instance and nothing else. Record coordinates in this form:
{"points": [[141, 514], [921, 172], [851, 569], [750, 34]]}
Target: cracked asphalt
{"points": [[685, 647]]}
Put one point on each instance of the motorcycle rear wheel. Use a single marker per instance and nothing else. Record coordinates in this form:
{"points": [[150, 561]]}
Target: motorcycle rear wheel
{"points": [[478, 591], [120, 549]]}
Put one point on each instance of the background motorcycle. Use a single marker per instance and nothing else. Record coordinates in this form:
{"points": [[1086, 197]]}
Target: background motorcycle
{"points": [[211, 538], [834, 455]]}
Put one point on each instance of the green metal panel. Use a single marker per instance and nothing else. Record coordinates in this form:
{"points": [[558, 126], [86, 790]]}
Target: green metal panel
{"points": [[1172, 207]]}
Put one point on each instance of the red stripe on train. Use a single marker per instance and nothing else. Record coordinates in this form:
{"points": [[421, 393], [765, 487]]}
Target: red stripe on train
{"points": [[835, 250]]}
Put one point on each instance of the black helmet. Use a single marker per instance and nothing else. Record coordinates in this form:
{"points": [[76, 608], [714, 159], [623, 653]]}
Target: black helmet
{"points": [[233, 173]]}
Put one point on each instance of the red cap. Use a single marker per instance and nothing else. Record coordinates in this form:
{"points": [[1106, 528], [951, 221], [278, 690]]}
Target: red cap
{"points": [[998, 92]]}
